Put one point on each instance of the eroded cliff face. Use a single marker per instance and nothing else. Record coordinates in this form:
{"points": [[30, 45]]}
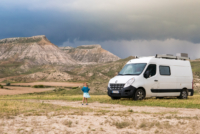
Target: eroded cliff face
{"points": [[90, 54], [36, 50]]}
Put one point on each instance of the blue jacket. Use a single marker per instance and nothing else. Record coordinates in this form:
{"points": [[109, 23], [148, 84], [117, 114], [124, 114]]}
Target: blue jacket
{"points": [[85, 89]]}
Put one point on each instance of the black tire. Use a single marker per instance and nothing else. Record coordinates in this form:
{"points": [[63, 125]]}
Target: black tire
{"points": [[139, 94], [159, 97], [183, 94], [115, 98]]}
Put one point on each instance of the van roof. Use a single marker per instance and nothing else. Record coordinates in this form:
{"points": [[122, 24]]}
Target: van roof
{"points": [[160, 61]]}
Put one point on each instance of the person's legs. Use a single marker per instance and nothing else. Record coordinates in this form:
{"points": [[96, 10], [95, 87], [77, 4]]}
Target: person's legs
{"points": [[83, 100], [86, 101]]}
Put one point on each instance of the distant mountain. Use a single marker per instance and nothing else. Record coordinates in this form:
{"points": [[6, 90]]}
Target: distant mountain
{"points": [[36, 50], [90, 54]]}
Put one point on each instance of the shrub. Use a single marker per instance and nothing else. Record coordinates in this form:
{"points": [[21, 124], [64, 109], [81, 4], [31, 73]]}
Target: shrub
{"points": [[38, 86], [41, 86], [60, 89], [7, 84], [130, 110], [35, 86], [1, 86], [74, 87]]}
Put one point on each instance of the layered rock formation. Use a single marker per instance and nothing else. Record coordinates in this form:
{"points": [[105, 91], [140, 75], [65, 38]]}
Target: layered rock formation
{"points": [[36, 50], [90, 54]]}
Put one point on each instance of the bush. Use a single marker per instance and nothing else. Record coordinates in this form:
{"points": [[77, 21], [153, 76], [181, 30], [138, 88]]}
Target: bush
{"points": [[1, 86], [38, 86], [74, 87], [41, 86], [35, 86], [61, 89], [7, 84]]}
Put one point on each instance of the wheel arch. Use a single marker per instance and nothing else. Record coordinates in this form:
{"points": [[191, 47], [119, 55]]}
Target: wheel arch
{"points": [[185, 88]]}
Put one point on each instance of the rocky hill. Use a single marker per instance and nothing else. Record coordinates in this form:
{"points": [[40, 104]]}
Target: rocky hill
{"points": [[90, 54], [36, 50], [97, 75]]}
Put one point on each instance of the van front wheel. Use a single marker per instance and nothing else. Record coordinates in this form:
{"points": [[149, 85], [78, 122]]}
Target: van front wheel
{"points": [[115, 98], [184, 94], [139, 94]]}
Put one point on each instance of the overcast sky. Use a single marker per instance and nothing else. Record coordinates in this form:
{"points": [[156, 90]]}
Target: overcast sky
{"points": [[124, 27]]}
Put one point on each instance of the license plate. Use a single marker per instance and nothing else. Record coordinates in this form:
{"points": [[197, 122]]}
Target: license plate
{"points": [[116, 92]]}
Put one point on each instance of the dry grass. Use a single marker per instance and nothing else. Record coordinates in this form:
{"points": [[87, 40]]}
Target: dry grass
{"points": [[67, 123], [121, 124], [52, 118], [10, 108]]}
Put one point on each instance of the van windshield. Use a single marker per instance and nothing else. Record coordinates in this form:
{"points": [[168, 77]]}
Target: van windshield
{"points": [[133, 69]]}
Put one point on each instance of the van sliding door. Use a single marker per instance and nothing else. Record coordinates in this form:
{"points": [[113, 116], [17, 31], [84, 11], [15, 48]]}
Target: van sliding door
{"points": [[167, 82]]}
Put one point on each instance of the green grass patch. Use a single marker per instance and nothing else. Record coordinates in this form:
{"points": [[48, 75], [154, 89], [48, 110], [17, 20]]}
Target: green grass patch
{"points": [[9, 108], [76, 95]]}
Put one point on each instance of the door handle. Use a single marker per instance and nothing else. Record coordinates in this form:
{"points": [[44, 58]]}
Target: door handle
{"points": [[156, 80]]}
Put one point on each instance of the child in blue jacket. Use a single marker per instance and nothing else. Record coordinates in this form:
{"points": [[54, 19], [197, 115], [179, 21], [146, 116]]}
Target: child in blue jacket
{"points": [[86, 95]]}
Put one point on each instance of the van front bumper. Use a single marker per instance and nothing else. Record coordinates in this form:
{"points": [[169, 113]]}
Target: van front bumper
{"points": [[123, 93]]}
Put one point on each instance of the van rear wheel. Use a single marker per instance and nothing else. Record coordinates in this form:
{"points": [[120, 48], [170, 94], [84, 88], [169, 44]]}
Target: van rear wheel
{"points": [[139, 94], [184, 94], [159, 97]]}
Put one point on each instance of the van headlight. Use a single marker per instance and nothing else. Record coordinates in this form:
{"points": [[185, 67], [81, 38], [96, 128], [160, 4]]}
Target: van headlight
{"points": [[109, 85], [129, 82]]}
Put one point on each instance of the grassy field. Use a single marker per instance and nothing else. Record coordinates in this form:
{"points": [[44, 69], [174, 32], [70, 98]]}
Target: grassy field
{"points": [[76, 95], [60, 111]]}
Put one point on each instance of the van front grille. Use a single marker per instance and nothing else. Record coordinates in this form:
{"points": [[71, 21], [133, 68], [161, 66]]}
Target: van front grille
{"points": [[117, 86]]}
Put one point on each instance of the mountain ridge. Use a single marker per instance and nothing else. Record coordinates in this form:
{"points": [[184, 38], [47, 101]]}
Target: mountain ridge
{"points": [[90, 54], [36, 49]]}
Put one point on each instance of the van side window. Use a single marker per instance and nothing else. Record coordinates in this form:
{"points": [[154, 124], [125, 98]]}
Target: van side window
{"points": [[165, 70], [150, 71]]}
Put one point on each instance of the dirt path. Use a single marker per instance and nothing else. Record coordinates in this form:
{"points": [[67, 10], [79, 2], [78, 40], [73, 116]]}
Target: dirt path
{"points": [[22, 90], [115, 107], [61, 84]]}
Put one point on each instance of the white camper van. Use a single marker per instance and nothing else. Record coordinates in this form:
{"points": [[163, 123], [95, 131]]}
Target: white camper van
{"points": [[157, 76]]}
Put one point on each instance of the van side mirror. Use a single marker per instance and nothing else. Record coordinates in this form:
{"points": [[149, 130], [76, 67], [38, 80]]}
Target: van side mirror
{"points": [[146, 74]]}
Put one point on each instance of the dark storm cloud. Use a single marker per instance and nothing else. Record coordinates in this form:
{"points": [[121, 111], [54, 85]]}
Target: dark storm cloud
{"points": [[57, 26], [110, 23], [124, 48], [101, 21]]}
